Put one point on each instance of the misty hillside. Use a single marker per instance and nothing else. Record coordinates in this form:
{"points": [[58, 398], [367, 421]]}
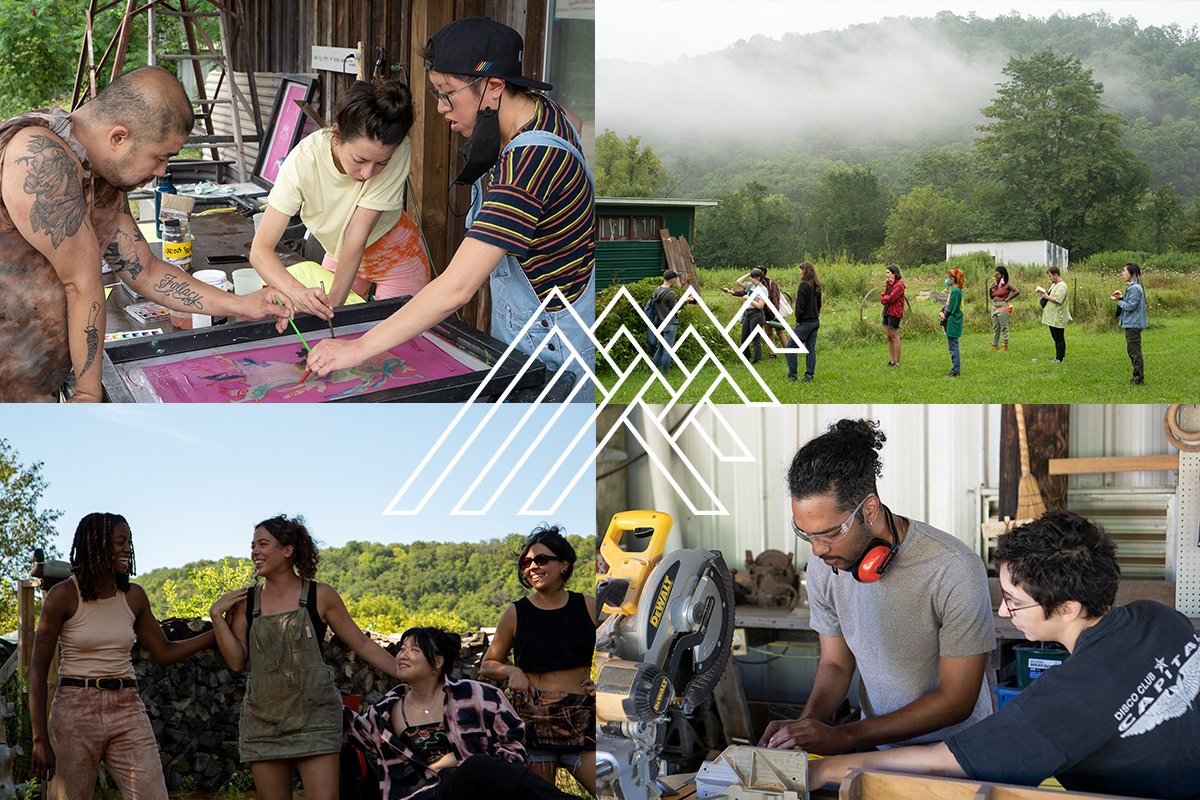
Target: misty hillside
{"points": [[782, 110]]}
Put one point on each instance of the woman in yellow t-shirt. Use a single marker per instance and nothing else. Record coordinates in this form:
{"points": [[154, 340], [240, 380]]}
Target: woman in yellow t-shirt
{"points": [[347, 184]]}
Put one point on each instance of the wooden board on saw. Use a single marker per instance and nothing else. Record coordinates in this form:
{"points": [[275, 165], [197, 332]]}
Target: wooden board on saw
{"points": [[875, 785]]}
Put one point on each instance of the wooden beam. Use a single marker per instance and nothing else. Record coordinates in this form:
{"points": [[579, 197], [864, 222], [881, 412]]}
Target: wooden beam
{"points": [[730, 699], [1083, 466], [26, 624], [1046, 428], [430, 134]]}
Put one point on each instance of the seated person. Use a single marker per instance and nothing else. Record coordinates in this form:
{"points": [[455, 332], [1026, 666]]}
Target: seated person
{"points": [[1118, 716], [435, 738]]}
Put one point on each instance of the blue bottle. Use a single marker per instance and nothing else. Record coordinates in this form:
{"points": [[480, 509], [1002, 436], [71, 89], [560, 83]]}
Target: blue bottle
{"points": [[163, 186]]}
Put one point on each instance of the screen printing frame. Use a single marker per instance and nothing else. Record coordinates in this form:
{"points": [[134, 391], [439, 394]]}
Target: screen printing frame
{"points": [[451, 389]]}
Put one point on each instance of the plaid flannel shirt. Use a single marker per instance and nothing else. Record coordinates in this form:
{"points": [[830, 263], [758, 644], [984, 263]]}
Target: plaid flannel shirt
{"points": [[479, 721]]}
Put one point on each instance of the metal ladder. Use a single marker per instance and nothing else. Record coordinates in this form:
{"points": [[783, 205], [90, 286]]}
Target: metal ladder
{"points": [[200, 48]]}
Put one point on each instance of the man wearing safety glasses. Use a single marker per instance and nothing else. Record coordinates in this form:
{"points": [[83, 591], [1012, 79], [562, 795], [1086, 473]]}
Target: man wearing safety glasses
{"points": [[1119, 716], [531, 231], [905, 603]]}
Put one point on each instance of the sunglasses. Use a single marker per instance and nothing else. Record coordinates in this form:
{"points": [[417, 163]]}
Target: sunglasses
{"points": [[541, 559]]}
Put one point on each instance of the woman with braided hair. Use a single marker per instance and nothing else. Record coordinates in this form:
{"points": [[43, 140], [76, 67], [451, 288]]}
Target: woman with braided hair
{"points": [[97, 616]]}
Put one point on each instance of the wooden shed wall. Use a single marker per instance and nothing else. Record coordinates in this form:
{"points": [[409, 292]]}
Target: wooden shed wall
{"points": [[281, 33]]}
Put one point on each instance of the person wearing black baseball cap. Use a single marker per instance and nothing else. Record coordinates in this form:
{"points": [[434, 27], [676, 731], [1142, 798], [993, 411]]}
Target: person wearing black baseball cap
{"points": [[531, 232]]}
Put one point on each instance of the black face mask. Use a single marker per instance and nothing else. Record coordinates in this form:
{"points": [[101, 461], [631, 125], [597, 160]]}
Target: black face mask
{"points": [[482, 149]]}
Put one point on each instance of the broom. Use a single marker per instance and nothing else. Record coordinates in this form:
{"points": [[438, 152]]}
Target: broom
{"points": [[1029, 497]]}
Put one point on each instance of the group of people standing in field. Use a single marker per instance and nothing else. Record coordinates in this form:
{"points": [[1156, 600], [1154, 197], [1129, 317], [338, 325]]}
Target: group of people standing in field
{"points": [[1055, 313], [763, 294], [432, 737]]}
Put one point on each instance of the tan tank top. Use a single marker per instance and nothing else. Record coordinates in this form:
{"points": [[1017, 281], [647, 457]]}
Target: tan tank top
{"points": [[97, 640]]}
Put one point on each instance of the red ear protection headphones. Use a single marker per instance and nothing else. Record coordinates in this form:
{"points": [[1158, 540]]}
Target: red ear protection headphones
{"points": [[874, 561]]}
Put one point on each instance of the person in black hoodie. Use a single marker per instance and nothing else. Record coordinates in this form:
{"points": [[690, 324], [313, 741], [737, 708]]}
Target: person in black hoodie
{"points": [[808, 312]]}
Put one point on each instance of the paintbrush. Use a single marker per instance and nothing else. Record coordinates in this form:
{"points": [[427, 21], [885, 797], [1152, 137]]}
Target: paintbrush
{"points": [[300, 353], [332, 335], [293, 324]]}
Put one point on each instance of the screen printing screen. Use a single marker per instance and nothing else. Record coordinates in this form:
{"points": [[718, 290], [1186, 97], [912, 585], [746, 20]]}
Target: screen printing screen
{"points": [[271, 372]]}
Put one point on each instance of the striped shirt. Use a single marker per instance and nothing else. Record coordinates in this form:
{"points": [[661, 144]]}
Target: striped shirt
{"points": [[479, 721], [540, 208]]}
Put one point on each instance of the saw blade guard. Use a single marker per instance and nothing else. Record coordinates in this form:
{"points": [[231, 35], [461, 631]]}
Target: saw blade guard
{"points": [[684, 624]]}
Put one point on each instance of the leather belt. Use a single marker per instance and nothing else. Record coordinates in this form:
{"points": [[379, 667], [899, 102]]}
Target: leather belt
{"points": [[100, 683]]}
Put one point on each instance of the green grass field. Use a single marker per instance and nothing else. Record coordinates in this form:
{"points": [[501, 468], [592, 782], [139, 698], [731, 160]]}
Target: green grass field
{"points": [[852, 353]]}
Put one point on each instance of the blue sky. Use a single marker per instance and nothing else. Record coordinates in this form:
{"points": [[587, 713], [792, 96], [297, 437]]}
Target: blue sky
{"points": [[193, 480]]}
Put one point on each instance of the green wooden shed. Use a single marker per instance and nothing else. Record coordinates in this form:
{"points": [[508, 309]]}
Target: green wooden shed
{"points": [[628, 246]]}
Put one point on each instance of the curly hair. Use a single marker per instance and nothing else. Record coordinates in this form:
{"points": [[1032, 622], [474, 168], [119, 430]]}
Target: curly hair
{"points": [[92, 557], [844, 460], [957, 277], [436, 642], [292, 531], [1059, 557], [551, 537]]}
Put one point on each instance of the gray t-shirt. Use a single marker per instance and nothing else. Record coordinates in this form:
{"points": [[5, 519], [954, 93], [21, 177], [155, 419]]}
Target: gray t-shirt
{"points": [[664, 302], [933, 602]]}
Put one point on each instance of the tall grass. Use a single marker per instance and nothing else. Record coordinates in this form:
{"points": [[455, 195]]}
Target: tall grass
{"points": [[852, 354]]}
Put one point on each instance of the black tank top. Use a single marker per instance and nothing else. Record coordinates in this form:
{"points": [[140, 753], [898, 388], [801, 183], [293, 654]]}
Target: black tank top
{"points": [[549, 640]]}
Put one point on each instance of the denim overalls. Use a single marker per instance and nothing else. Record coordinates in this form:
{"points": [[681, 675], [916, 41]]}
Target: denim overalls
{"points": [[514, 302]]}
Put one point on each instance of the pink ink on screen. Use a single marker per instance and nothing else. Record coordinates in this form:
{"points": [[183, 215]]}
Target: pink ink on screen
{"points": [[272, 375]]}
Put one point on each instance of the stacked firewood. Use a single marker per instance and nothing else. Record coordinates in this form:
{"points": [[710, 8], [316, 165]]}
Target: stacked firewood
{"points": [[194, 705]]}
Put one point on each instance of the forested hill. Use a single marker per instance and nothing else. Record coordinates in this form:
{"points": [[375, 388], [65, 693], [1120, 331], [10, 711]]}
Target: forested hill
{"points": [[781, 111], [472, 582]]}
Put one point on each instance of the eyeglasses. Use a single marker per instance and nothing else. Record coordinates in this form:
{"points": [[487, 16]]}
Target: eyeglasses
{"points": [[1012, 611], [446, 97], [832, 533], [541, 559]]}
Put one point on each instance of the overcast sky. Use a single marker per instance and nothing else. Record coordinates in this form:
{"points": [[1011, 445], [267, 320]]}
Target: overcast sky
{"points": [[657, 31], [193, 480]]}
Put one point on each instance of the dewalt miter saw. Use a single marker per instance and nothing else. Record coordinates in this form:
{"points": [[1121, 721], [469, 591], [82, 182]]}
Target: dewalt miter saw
{"points": [[663, 643]]}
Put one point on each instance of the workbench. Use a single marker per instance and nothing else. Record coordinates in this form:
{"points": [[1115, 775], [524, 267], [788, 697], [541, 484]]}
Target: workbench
{"points": [[238, 346], [215, 235]]}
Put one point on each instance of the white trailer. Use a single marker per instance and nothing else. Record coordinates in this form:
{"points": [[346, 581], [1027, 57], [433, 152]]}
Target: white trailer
{"points": [[1041, 253]]}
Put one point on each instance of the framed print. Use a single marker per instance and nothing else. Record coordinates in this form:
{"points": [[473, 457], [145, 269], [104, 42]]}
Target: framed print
{"points": [[285, 128]]}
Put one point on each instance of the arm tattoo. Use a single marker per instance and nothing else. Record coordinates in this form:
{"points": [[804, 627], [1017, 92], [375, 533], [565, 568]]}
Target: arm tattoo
{"points": [[93, 339], [59, 207], [121, 255], [170, 286]]}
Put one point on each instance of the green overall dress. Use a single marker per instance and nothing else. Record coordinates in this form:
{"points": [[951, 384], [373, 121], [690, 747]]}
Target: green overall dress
{"points": [[292, 708]]}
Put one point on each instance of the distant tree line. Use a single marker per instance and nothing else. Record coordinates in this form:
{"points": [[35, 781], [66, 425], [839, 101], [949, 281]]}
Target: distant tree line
{"points": [[387, 587], [1052, 161]]}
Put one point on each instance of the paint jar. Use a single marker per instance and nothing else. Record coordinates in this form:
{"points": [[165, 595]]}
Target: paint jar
{"points": [[215, 278], [163, 186], [246, 281], [177, 243]]}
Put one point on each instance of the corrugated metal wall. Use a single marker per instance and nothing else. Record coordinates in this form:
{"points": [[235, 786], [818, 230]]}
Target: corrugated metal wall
{"points": [[935, 462], [625, 262]]}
